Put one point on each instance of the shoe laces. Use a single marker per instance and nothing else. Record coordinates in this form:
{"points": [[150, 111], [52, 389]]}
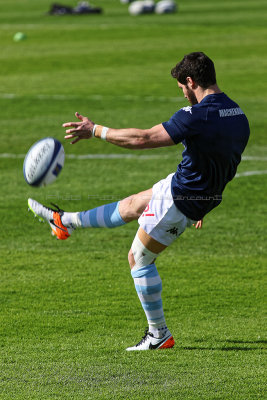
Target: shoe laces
{"points": [[144, 338], [58, 210]]}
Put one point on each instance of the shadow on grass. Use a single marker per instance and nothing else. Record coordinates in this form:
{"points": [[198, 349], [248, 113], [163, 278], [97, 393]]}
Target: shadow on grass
{"points": [[230, 348]]}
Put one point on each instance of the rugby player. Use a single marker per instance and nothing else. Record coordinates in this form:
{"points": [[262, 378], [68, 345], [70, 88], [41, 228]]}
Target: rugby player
{"points": [[214, 131]]}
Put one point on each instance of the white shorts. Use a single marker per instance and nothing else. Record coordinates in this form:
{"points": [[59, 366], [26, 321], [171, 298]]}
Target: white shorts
{"points": [[161, 218]]}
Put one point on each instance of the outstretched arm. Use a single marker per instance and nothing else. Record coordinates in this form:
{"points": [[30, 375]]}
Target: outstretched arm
{"points": [[131, 138]]}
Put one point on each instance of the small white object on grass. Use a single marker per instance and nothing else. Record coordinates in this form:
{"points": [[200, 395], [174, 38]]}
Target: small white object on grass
{"points": [[165, 7], [142, 7], [19, 36]]}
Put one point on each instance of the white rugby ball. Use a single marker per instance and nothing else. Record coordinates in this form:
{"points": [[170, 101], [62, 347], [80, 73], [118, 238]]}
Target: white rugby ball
{"points": [[165, 7], [141, 7], [43, 162]]}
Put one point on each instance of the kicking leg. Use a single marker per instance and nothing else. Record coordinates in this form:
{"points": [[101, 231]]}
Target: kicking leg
{"points": [[148, 285], [113, 214], [106, 216]]}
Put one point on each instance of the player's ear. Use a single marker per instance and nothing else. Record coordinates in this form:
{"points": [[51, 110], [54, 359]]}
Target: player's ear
{"points": [[190, 83]]}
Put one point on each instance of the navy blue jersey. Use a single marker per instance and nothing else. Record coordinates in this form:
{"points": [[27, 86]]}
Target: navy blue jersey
{"points": [[214, 133]]}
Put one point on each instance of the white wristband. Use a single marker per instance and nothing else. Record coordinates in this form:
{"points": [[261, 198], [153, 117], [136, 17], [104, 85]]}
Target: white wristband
{"points": [[104, 133], [93, 131]]}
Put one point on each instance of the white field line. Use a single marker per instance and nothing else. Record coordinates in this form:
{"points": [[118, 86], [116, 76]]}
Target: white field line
{"points": [[116, 156], [112, 156], [97, 156], [136, 157], [250, 173], [254, 158]]}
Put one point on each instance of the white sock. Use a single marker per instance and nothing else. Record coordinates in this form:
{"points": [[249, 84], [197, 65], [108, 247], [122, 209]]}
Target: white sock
{"points": [[157, 331], [71, 220]]}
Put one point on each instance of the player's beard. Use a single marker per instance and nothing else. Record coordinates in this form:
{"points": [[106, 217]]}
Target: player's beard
{"points": [[191, 96]]}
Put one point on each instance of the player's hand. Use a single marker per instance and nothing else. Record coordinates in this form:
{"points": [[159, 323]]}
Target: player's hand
{"points": [[81, 130], [198, 224]]}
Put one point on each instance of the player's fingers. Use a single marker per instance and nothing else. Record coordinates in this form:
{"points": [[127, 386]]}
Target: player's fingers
{"points": [[199, 224], [79, 116], [75, 141], [74, 124], [72, 130], [69, 136]]}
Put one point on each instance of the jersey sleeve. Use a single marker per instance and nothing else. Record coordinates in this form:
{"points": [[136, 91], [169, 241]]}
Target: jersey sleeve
{"points": [[182, 124]]}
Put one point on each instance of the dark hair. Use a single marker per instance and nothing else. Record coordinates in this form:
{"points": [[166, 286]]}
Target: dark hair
{"points": [[198, 66]]}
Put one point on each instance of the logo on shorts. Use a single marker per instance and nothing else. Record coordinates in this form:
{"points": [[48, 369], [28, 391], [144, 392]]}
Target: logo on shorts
{"points": [[146, 211], [173, 231]]}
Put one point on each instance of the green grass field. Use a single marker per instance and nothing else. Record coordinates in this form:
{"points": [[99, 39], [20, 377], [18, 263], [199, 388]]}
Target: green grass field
{"points": [[69, 309]]}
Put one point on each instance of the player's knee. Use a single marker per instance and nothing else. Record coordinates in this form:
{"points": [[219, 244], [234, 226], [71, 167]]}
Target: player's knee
{"points": [[134, 205], [139, 255], [128, 209]]}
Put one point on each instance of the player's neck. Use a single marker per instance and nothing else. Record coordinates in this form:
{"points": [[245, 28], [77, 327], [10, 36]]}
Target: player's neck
{"points": [[201, 93]]}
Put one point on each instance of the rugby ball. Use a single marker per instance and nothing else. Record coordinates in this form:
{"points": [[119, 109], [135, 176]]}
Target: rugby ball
{"points": [[43, 162], [142, 7], [165, 7]]}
